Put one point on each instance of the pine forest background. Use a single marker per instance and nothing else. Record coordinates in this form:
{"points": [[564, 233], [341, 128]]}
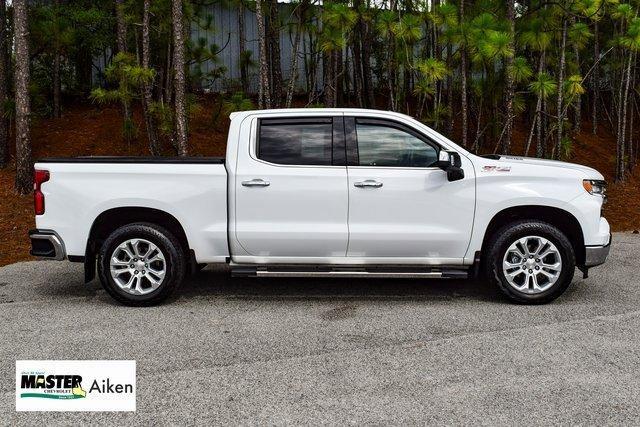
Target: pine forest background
{"points": [[524, 78]]}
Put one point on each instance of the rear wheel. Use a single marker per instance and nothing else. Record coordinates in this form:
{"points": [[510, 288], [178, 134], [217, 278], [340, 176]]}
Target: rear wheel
{"points": [[141, 264], [531, 262]]}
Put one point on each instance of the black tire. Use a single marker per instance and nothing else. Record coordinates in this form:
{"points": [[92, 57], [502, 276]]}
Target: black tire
{"points": [[174, 259], [500, 242]]}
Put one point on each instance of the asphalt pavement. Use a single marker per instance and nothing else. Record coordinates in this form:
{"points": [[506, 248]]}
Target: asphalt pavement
{"points": [[309, 351]]}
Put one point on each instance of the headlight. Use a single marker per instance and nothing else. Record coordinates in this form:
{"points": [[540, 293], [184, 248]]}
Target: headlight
{"points": [[595, 186]]}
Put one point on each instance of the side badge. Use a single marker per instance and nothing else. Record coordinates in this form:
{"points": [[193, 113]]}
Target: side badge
{"points": [[496, 169]]}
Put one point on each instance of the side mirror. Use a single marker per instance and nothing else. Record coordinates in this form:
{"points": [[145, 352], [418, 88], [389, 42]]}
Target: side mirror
{"points": [[455, 173], [450, 162]]}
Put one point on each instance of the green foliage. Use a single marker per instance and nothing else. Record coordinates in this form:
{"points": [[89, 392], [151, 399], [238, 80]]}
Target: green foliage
{"points": [[566, 147], [573, 86], [521, 70], [385, 22], [205, 62], [579, 34], [163, 115], [129, 78], [337, 19], [237, 102], [432, 69], [622, 12], [631, 40], [535, 37], [543, 85], [408, 28], [415, 54], [446, 14]]}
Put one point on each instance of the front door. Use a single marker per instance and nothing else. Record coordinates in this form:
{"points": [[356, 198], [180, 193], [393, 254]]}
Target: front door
{"points": [[291, 191], [402, 208]]}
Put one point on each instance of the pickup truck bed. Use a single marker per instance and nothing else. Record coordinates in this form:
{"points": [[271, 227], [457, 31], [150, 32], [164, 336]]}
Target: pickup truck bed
{"points": [[85, 191]]}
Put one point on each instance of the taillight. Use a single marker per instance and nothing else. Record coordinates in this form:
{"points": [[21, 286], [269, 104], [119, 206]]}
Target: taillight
{"points": [[39, 177]]}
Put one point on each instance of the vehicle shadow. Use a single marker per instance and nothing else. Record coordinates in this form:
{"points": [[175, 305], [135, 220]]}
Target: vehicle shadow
{"points": [[217, 282]]}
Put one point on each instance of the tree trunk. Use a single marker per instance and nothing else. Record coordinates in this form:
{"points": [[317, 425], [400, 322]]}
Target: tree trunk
{"points": [[56, 84], [168, 79], [179, 78], [264, 92], [463, 76], [122, 47], [367, 75], [242, 45], [577, 126], [274, 54], [330, 80], [509, 81], [121, 26], [563, 47], [293, 72], [619, 128], [356, 50], [631, 103], [391, 72], [56, 65], [24, 165], [450, 93], [148, 96], [620, 173], [537, 118], [596, 81], [4, 87]]}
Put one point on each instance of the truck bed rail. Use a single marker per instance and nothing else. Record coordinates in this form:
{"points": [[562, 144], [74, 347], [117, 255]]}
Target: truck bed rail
{"points": [[132, 159]]}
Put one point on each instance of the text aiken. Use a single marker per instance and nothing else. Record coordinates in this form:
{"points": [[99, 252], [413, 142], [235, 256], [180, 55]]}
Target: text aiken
{"points": [[106, 387]]}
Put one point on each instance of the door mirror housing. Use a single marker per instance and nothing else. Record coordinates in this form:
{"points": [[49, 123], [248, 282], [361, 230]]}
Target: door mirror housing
{"points": [[450, 162]]}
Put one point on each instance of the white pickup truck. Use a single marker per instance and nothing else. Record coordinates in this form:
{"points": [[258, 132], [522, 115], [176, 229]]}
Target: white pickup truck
{"points": [[323, 192]]}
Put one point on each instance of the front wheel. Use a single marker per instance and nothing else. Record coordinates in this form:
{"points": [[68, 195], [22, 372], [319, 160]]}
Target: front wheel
{"points": [[531, 262], [141, 264]]}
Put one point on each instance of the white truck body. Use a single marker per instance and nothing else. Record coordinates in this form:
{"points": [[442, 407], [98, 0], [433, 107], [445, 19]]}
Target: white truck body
{"points": [[250, 211]]}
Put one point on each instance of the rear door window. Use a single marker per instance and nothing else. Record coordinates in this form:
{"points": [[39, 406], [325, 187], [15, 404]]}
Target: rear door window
{"points": [[296, 141]]}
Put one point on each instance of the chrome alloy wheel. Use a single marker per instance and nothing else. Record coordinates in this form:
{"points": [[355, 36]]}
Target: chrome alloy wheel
{"points": [[138, 266], [532, 264]]}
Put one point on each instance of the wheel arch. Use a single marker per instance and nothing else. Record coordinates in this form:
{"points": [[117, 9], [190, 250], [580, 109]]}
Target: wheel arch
{"points": [[559, 218], [114, 218]]}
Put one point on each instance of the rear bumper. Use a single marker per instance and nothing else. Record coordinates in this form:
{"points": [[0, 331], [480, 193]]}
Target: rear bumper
{"points": [[47, 244], [596, 255]]}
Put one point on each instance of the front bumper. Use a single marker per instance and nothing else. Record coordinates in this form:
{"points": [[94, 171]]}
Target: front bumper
{"points": [[47, 244], [596, 255]]}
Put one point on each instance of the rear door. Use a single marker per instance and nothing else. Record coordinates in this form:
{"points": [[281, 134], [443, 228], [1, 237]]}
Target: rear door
{"points": [[291, 190]]}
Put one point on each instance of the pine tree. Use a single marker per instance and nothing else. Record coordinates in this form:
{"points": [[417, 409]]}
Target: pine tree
{"points": [[4, 87], [152, 134], [179, 78], [24, 165]]}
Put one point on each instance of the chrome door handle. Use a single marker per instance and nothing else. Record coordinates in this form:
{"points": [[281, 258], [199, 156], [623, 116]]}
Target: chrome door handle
{"points": [[256, 183], [368, 183]]}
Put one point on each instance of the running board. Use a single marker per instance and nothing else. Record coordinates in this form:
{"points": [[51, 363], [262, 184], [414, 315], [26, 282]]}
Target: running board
{"points": [[430, 273]]}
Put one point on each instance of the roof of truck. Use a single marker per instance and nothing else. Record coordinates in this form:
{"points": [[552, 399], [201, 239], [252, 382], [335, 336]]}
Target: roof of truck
{"points": [[289, 111]]}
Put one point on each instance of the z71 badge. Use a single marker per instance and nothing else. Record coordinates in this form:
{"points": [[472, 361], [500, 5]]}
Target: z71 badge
{"points": [[496, 169]]}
